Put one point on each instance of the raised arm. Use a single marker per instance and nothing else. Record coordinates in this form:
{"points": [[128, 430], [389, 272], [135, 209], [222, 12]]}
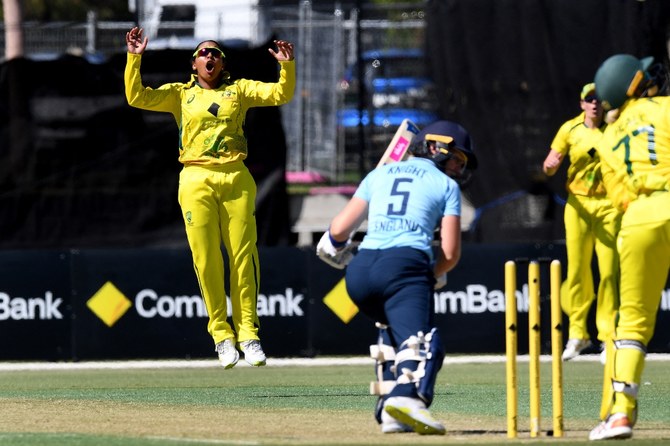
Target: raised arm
{"points": [[284, 51], [136, 41]]}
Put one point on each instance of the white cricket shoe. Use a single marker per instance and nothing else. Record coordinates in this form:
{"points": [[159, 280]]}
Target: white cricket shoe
{"points": [[616, 426], [574, 347], [253, 352], [392, 426], [413, 413], [228, 354]]}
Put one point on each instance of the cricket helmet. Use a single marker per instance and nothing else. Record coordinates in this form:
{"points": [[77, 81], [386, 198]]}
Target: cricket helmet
{"points": [[447, 134], [620, 77]]}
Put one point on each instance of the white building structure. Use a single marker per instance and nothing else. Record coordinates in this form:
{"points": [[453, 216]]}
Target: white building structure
{"points": [[184, 23]]}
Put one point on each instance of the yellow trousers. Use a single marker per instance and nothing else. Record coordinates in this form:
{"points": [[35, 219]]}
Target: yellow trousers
{"points": [[644, 249], [591, 223], [218, 206]]}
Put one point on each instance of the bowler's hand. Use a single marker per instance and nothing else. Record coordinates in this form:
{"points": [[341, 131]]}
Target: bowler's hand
{"points": [[284, 51], [135, 41]]}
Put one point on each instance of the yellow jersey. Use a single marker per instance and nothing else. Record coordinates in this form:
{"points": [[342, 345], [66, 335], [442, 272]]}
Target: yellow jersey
{"points": [[636, 153], [579, 142], [209, 121]]}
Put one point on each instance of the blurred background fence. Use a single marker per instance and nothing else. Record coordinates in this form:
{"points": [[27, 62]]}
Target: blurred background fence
{"points": [[328, 41]]}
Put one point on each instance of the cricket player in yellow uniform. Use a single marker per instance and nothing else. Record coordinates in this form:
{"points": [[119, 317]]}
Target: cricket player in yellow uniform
{"points": [[590, 221], [216, 190], [635, 153]]}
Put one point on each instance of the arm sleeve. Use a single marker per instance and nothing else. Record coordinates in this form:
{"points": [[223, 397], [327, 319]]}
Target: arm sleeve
{"points": [[453, 203], [560, 143], [363, 190], [162, 99], [615, 182], [271, 93]]}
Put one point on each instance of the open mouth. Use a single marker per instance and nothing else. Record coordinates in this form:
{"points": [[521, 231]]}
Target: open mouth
{"points": [[209, 67]]}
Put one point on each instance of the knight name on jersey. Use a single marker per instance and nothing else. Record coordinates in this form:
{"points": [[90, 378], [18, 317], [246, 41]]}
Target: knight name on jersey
{"points": [[408, 169]]}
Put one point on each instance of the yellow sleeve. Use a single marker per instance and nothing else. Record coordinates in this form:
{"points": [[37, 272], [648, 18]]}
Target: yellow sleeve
{"points": [[166, 98], [561, 142], [636, 149], [615, 179], [258, 94]]}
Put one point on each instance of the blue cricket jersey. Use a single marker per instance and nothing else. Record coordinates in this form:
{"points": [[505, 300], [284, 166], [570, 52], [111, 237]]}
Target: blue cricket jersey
{"points": [[407, 201]]}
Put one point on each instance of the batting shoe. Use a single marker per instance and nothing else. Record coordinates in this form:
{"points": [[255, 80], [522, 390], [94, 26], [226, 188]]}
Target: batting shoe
{"points": [[253, 352], [228, 354], [413, 413], [574, 348], [392, 426], [616, 426]]}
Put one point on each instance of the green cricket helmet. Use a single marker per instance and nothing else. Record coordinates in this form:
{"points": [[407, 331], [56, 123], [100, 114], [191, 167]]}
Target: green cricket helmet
{"points": [[620, 77]]}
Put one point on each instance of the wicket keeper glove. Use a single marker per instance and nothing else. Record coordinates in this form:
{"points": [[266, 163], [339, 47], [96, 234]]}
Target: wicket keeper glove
{"points": [[337, 257]]}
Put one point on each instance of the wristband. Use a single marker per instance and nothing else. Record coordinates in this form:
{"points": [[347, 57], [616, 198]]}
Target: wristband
{"points": [[335, 243]]}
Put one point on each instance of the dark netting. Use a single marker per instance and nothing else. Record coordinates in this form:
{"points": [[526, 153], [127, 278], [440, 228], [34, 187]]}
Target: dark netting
{"points": [[510, 71]]}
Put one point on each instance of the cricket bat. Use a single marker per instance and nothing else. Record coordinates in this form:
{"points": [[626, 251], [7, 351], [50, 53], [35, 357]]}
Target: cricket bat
{"points": [[397, 149], [338, 299]]}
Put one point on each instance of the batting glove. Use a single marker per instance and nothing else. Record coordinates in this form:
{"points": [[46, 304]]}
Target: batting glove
{"points": [[337, 257]]}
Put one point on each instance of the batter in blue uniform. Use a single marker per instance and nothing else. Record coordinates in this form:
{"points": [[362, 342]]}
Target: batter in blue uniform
{"points": [[392, 277]]}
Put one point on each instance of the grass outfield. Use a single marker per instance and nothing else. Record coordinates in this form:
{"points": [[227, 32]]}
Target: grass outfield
{"points": [[284, 403]]}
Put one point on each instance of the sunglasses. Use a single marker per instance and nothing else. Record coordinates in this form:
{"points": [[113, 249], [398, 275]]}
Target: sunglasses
{"points": [[591, 98], [213, 51]]}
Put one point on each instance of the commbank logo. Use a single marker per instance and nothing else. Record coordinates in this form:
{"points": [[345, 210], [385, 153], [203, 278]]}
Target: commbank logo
{"points": [[109, 304]]}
